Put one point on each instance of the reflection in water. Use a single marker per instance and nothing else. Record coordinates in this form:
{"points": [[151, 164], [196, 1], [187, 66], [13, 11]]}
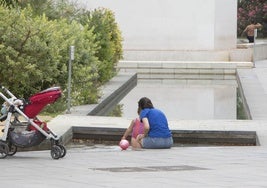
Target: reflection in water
{"points": [[185, 101]]}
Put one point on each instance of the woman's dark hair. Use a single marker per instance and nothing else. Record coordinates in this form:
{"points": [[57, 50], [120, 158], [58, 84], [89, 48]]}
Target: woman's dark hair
{"points": [[145, 102], [139, 110]]}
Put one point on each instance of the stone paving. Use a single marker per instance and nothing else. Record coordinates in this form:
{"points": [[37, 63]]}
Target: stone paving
{"points": [[108, 166]]}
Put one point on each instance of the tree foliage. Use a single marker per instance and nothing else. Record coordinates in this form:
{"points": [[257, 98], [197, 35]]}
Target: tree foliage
{"points": [[8, 3], [34, 49], [250, 11], [53, 9], [102, 22]]}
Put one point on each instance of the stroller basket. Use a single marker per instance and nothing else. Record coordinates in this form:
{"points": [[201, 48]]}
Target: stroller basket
{"points": [[26, 138]]}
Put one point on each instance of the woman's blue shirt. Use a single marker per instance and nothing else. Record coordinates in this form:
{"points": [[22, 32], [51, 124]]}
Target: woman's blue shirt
{"points": [[157, 121]]}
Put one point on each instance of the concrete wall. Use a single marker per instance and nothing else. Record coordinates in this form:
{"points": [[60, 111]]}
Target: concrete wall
{"points": [[225, 24], [173, 24], [250, 52]]}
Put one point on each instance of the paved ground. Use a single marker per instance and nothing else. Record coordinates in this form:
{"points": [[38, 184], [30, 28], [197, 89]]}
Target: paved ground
{"points": [[108, 166]]}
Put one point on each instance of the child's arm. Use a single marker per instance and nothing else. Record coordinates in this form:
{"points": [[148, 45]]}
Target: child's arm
{"points": [[128, 130]]}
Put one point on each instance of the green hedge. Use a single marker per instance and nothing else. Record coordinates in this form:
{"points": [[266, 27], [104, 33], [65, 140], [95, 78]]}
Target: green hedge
{"points": [[34, 49]]}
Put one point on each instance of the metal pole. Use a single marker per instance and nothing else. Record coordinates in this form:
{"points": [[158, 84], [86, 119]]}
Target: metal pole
{"points": [[69, 79], [254, 47]]}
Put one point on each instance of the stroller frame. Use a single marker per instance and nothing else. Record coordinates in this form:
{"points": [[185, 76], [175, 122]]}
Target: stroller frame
{"points": [[7, 148]]}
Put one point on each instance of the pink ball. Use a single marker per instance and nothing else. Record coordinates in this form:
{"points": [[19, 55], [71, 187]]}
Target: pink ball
{"points": [[124, 144]]}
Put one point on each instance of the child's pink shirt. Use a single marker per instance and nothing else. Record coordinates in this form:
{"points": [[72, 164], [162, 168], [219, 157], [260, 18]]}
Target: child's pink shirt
{"points": [[138, 128]]}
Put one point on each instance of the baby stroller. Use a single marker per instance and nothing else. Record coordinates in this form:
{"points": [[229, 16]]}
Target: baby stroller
{"points": [[32, 131]]}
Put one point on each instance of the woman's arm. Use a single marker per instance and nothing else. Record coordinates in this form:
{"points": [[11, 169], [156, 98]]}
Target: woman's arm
{"points": [[146, 126], [146, 129]]}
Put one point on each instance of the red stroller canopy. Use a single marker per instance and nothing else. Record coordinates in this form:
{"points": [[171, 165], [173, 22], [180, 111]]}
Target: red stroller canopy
{"points": [[39, 100]]}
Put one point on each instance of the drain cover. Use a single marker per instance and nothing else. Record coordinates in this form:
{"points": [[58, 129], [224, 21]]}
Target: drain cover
{"points": [[151, 168]]}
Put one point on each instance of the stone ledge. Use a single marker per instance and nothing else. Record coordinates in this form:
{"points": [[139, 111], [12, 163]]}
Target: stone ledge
{"points": [[188, 82], [180, 70], [242, 52], [62, 124], [183, 64], [245, 51], [186, 77], [181, 55], [108, 135], [188, 137], [114, 91]]}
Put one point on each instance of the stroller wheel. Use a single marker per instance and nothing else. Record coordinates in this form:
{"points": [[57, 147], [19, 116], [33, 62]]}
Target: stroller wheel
{"points": [[12, 150], [63, 151], [3, 150], [55, 152]]}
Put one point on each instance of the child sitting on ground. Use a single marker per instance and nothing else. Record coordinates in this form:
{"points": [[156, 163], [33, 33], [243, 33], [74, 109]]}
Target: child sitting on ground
{"points": [[136, 127]]}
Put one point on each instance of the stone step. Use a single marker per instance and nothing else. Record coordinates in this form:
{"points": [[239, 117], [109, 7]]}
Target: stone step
{"points": [[176, 55], [190, 70], [243, 52]]}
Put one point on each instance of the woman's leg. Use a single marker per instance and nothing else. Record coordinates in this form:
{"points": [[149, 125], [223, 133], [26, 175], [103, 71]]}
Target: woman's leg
{"points": [[157, 143]]}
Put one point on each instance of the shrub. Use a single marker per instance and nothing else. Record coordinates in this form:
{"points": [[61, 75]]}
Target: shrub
{"points": [[252, 10], [102, 22], [35, 53]]}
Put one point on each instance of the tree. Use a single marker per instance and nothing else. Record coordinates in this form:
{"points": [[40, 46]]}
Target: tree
{"points": [[53, 9], [103, 24], [8, 3], [249, 11], [35, 36], [34, 53]]}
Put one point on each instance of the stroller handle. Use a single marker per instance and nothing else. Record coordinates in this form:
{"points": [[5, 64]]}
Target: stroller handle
{"points": [[2, 87], [7, 91]]}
